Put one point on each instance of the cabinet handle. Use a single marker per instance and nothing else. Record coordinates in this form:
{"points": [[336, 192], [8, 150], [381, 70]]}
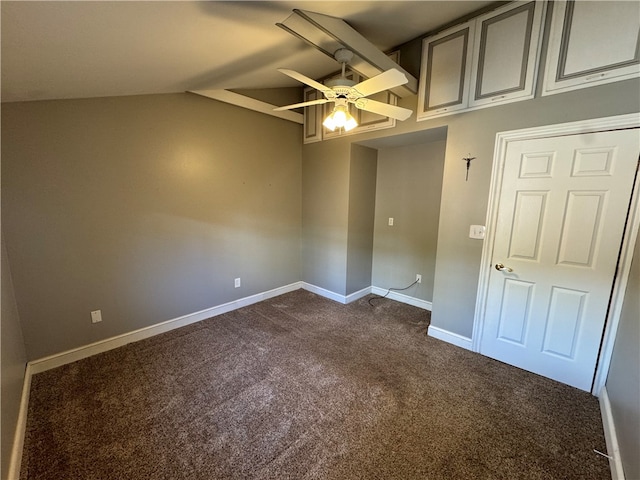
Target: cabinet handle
{"points": [[497, 98], [597, 75], [442, 110]]}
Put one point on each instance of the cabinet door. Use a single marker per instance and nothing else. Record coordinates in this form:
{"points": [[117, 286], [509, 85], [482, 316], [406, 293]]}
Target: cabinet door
{"points": [[506, 54], [368, 121], [312, 117], [445, 72], [592, 43]]}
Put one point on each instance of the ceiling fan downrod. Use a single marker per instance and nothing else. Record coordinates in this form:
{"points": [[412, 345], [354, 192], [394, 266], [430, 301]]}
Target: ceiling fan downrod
{"points": [[343, 56]]}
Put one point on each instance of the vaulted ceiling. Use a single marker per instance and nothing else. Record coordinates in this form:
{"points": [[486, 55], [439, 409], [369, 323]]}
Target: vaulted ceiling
{"points": [[78, 49]]}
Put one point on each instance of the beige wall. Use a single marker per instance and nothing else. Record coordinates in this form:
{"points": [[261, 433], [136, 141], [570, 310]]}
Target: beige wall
{"points": [[463, 203], [408, 189], [13, 361], [325, 214], [623, 382], [362, 194], [145, 207]]}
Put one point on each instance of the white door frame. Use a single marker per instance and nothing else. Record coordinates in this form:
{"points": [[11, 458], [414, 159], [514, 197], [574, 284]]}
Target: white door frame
{"points": [[628, 242]]}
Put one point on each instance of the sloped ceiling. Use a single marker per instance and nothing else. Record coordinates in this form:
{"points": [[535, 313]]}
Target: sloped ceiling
{"points": [[78, 49]]}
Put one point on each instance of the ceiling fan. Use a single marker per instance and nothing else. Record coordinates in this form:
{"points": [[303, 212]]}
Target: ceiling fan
{"points": [[343, 91]]}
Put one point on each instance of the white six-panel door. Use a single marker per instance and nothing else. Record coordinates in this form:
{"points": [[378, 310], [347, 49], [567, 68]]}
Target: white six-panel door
{"points": [[561, 217]]}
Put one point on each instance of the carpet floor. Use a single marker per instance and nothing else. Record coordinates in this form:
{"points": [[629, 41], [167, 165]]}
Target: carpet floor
{"points": [[300, 387]]}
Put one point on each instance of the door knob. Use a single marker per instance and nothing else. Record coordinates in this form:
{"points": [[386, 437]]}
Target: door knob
{"points": [[501, 268]]}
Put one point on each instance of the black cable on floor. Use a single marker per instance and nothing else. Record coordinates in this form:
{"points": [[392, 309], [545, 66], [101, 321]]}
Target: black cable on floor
{"points": [[377, 297]]}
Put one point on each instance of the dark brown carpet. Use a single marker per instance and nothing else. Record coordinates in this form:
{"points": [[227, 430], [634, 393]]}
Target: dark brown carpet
{"points": [[300, 387]]}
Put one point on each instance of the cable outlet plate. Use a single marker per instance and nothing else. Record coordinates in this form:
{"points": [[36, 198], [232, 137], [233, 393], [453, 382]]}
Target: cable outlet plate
{"points": [[418, 278], [96, 316]]}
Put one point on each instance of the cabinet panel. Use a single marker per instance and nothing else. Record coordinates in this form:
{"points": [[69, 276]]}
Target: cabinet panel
{"points": [[506, 54], [373, 121], [592, 43], [444, 79], [312, 117]]}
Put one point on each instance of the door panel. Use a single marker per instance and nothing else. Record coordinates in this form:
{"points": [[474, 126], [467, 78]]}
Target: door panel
{"points": [[561, 217], [527, 225], [581, 228], [563, 322], [514, 314]]}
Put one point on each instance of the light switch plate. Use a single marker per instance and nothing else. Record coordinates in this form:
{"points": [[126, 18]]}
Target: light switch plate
{"points": [[477, 231]]}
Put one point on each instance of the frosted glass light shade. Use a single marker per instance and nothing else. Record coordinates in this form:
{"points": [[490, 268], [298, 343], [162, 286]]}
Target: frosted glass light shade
{"points": [[340, 118]]}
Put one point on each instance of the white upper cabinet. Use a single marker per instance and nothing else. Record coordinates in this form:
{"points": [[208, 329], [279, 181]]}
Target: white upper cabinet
{"points": [[444, 73], [592, 43], [489, 60], [312, 117], [505, 58]]}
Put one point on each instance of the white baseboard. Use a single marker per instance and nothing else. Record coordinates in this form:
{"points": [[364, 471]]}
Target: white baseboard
{"points": [[323, 292], [15, 461], [69, 356], [613, 450], [449, 337], [352, 297], [63, 358], [399, 297]]}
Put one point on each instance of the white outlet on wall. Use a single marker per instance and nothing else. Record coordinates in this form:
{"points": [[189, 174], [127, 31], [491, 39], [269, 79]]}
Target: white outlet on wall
{"points": [[96, 316], [236, 283], [418, 278], [391, 221]]}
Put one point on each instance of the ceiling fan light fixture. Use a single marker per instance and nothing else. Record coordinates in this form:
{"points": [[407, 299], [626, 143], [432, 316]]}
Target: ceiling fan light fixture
{"points": [[340, 118]]}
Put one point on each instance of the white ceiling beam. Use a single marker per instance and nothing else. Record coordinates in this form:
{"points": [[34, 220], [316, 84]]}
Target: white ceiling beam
{"points": [[329, 34], [249, 103]]}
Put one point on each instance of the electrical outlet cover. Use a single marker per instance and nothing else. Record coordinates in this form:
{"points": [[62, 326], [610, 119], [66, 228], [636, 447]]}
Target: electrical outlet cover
{"points": [[96, 316], [477, 231]]}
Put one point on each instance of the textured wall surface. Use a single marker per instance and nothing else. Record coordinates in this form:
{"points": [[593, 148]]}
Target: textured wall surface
{"points": [[463, 203], [408, 190], [12, 363], [623, 382], [144, 207], [325, 214], [362, 194]]}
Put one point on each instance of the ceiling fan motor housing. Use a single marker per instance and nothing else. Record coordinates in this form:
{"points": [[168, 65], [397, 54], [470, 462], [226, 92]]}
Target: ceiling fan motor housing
{"points": [[343, 55], [341, 86]]}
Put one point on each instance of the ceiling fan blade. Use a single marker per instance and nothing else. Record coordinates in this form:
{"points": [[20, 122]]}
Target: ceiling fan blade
{"points": [[304, 79], [391, 111], [303, 104], [386, 80]]}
